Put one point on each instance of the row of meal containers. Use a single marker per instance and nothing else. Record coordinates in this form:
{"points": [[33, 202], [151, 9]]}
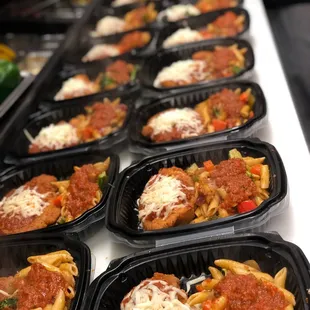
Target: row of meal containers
{"points": [[186, 260], [185, 251]]}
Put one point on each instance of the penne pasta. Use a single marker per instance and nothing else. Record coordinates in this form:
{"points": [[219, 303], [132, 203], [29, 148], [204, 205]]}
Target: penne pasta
{"points": [[265, 177], [280, 277], [57, 271]]}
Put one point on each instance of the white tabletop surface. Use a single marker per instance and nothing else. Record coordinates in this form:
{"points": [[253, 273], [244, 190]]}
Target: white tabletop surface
{"points": [[283, 131]]}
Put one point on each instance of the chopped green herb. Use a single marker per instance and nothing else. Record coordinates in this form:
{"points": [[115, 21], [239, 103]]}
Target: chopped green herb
{"points": [[236, 69], [102, 180], [216, 111], [249, 174], [106, 81], [61, 221], [195, 178], [8, 303], [133, 73]]}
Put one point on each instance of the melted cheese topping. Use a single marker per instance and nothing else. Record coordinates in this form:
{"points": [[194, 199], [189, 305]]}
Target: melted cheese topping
{"points": [[162, 194], [101, 51], [182, 70], [110, 25], [186, 120], [74, 87], [179, 11], [56, 136], [122, 2], [148, 296], [23, 202], [182, 36]]}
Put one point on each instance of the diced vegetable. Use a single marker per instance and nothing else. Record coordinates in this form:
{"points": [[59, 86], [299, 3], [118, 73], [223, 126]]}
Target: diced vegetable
{"points": [[57, 201], [192, 169], [256, 169], [219, 124], [244, 96], [61, 220], [102, 180], [8, 303], [209, 166], [107, 81], [246, 206], [251, 115], [133, 73], [234, 153], [236, 69]]}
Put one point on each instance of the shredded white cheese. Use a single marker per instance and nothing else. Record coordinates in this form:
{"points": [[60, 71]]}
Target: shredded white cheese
{"points": [[186, 120], [74, 87], [178, 11], [109, 25], [116, 3], [182, 70], [148, 296], [23, 202], [162, 193], [182, 36], [56, 136], [101, 51]]}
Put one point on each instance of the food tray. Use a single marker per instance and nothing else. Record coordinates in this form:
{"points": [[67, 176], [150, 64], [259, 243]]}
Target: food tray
{"points": [[141, 144], [201, 21], [15, 251], [193, 2], [75, 55], [164, 58], [92, 70], [189, 260], [62, 168], [122, 215], [19, 149]]}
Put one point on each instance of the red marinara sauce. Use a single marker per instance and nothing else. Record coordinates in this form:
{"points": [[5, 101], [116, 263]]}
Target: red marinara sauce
{"points": [[245, 292], [39, 288], [119, 71], [231, 175], [82, 190]]}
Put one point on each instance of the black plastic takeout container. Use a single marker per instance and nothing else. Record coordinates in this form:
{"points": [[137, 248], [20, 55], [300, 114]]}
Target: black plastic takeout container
{"points": [[201, 21], [19, 149], [76, 54], [15, 251], [91, 70], [164, 58], [190, 260], [122, 213], [62, 168], [141, 144]]}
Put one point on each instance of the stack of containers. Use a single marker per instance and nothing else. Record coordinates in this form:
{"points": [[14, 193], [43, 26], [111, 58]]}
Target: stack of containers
{"points": [[186, 250]]}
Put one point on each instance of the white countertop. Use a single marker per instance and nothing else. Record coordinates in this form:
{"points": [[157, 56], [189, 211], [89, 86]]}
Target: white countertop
{"points": [[283, 131]]}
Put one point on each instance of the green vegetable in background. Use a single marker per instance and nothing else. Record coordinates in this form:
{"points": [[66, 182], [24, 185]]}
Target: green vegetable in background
{"points": [[8, 303], [236, 69], [9, 78], [102, 180], [106, 81], [234, 153], [133, 74]]}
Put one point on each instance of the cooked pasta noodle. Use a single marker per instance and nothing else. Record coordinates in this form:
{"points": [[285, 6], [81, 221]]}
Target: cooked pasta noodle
{"points": [[236, 286], [43, 285]]}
